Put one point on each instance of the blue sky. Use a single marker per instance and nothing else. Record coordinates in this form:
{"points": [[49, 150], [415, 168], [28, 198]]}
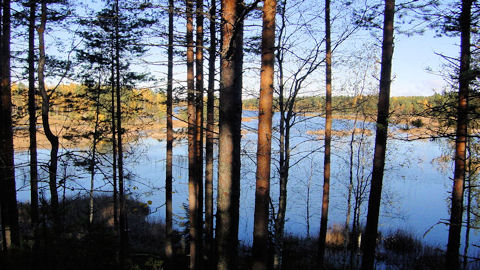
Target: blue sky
{"points": [[412, 56]]}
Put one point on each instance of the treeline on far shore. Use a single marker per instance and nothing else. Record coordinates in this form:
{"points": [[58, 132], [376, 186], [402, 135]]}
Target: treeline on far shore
{"points": [[365, 104]]}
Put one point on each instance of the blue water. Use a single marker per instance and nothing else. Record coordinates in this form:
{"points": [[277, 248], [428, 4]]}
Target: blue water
{"points": [[415, 196]]}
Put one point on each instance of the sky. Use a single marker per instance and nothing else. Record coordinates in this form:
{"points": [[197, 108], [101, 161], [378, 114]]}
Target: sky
{"points": [[411, 58]]}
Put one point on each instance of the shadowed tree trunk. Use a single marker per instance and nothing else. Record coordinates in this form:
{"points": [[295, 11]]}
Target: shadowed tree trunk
{"points": [[229, 136], [328, 138], [369, 241], [114, 141], [94, 153], [199, 129], [265, 113], [456, 213], [169, 161], [191, 109], [52, 138], [209, 141], [32, 125], [123, 214], [10, 232]]}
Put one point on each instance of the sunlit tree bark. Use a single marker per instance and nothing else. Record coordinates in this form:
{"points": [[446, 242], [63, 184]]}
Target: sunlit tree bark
{"points": [[328, 138], [229, 136], [191, 109], [456, 213], [369, 241], [265, 113]]}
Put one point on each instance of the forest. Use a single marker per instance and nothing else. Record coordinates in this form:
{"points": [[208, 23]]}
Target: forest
{"points": [[237, 134]]}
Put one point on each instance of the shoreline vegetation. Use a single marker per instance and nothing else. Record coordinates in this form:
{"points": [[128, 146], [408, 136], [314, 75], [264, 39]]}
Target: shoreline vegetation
{"points": [[74, 109], [398, 249]]}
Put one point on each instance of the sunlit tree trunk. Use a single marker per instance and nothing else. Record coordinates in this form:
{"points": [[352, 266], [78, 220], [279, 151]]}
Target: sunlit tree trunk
{"points": [[456, 213], [169, 161], [32, 124], [52, 138], [229, 137], [8, 200], [191, 109], [328, 139], [265, 113], [199, 128], [369, 241], [209, 140]]}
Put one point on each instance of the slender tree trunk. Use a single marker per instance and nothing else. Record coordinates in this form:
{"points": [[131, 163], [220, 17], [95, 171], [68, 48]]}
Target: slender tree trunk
{"points": [[169, 165], [9, 212], [192, 183], [328, 139], [123, 214], [209, 141], [468, 221], [283, 166], [230, 135], [369, 241], [52, 138], [465, 78], [94, 155], [199, 130], [32, 125], [114, 142], [265, 113]]}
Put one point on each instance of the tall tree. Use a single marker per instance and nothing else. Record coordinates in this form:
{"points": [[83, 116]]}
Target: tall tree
{"points": [[328, 137], [265, 113], [464, 79], [121, 189], [169, 161], [8, 200], [199, 127], [209, 140], [32, 122], [192, 183], [52, 138], [229, 137], [369, 243]]}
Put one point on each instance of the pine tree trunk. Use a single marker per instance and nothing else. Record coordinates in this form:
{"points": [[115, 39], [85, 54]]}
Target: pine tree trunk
{"points": [[456, 213], [230, 135], [199, 130], [114, 141], [328, 139], [32, 125], [169, 161], [94, 155], [192, 183], [209, 241], [123, 213], [265, 114], [369, 241], [8, 195], [52, 138]]}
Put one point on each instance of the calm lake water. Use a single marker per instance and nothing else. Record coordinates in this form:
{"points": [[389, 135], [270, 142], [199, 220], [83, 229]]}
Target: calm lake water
{"points": [[416, 184]]}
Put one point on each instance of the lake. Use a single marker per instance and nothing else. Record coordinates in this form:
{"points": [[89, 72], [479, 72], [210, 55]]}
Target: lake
{"points": [[416, 185]]}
